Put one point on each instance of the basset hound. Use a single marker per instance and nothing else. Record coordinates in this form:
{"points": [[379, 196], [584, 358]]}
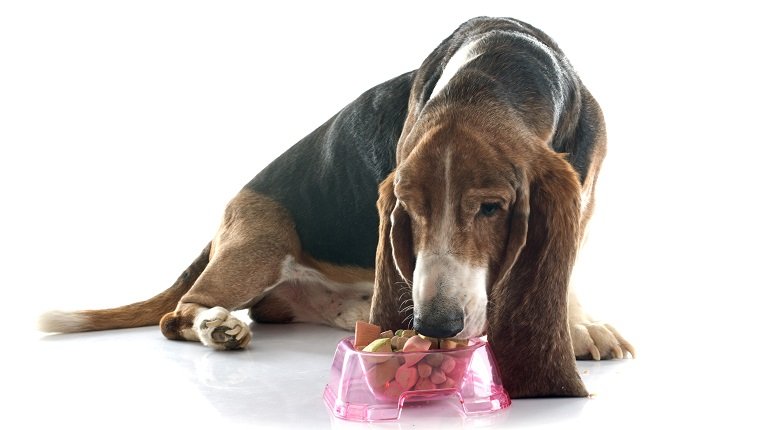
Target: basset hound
{"points": [[452, 199]]}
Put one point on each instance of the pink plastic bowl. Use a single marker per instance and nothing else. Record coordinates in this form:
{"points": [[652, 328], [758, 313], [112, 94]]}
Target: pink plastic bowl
{"points": [[363, 386]]}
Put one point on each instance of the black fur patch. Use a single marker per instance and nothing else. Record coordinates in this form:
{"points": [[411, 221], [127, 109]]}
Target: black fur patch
{"points": [[328, 181]]}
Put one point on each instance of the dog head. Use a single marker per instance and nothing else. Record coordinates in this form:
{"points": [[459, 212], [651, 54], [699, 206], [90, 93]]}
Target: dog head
{"points": [[463, 215]]}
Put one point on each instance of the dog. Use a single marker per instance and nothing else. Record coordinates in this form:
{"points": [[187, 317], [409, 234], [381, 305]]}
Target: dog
{"points": [[452, 198]]}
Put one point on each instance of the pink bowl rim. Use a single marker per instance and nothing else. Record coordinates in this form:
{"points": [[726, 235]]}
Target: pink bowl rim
{"points": [[476, 343]]}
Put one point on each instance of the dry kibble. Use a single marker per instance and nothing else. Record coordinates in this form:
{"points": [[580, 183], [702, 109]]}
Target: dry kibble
{"points": [[381, 374], [394, 342], [416, 369], [448, 383], [453, 343], [408, 333], [406, 377], [434, 360], [448, 364], [365, 333], [424, 384], [379, 345], [437, 377], [434, 342], [424, 370], [397, 342], [394, 389], [414, 344], [448, 344]]}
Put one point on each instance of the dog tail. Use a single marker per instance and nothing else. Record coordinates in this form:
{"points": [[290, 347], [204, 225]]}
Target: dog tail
{"points": [[148, 312]]}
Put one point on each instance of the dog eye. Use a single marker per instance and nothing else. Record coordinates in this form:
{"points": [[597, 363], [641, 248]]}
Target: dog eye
{"points": [[488, 209]]}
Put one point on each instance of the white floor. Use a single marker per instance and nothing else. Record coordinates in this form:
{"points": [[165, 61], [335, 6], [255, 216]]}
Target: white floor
{"points": [[135, 378]]}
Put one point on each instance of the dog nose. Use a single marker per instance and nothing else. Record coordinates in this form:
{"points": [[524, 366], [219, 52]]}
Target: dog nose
{"points": [[440, 325]]}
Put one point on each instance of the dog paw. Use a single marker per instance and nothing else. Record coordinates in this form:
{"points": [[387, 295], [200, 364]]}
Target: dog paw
{"points": [[219, 329], [599, 341]]}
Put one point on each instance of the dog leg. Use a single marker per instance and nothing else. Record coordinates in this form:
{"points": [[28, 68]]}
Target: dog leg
{"points": [[294, 302], [247, 257], [317, 292], [594, 339], [215, 327]]}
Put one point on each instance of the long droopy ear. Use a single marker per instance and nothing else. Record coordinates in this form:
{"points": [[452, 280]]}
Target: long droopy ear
{"points": [[402, 242], [393, 261], [527, 309], [518, 227]]}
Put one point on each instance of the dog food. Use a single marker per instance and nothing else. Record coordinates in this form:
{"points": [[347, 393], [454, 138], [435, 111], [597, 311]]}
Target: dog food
{"points": [[365, 333], [417, 367], [369, 337], [374, 386]]}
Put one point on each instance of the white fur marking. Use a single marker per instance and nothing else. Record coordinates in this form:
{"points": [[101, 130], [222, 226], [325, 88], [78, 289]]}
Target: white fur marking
{"points": [[319, 299], [448, 220], [464, 55], [585, 197], [439, 272], [62, 322], [472, 50], [207, 321], [463, 283], [293, 272]]}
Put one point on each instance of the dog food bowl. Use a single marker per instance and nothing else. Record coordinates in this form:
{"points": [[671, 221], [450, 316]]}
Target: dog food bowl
{"points": [[374, 386]]}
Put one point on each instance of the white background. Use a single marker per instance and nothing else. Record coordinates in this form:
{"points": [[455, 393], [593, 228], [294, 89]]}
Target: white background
{"points": [[125, 127]]}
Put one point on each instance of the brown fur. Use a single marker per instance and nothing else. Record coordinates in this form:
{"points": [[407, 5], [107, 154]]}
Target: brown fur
{"points": [[256, 237], [272, 309], [138, 314], [239, 265], [530, 245], [454, 155], [390, 285]]}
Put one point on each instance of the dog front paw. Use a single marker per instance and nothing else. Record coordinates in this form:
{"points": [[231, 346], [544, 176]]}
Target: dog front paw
{"points": [[599, 341], [219, 329]]}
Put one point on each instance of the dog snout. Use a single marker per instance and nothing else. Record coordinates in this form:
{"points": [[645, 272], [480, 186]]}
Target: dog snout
{"points": [[439, 323]]}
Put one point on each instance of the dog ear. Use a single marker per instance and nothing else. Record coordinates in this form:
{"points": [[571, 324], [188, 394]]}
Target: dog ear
{"points": [[518, 227], [393, 268], [402, 242], [527, 312]]}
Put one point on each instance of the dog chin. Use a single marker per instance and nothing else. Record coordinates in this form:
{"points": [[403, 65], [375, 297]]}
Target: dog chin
{"points": [[472, 330], [475, 321]]}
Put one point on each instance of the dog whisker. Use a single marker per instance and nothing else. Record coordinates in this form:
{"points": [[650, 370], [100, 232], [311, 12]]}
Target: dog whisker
{"points": [[408, 321], [405, 302]]}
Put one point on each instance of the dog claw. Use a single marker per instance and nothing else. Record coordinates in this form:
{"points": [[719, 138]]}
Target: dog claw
{"points": [[617, 352], [213, 323], [624, 344], [595, 353], [235, 331], [598, 341], [219, 329]]}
